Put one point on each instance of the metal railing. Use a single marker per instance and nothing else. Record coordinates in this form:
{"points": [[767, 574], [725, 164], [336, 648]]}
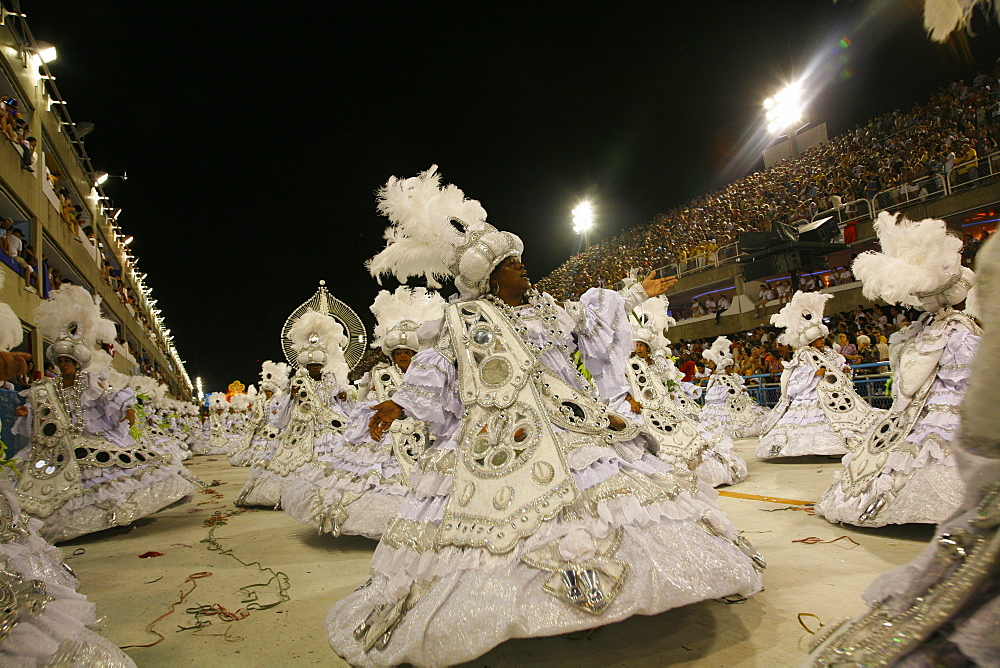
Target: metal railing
{"points": [[871, 387], [979, 172]]}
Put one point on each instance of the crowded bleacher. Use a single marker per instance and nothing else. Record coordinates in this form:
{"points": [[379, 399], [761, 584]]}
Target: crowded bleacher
{"points": [[899, 157]]}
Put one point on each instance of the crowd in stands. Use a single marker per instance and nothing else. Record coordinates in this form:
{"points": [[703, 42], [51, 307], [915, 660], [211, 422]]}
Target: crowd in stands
{"points": [[895, 157], [860, 335], [15, 128]]}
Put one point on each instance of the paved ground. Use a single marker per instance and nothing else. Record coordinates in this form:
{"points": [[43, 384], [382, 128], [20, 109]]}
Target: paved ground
{"points": [[825, 579]]}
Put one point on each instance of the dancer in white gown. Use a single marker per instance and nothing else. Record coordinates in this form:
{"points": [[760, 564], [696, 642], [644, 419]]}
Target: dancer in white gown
{"points": [[943, 608], [44, 621], [83, 471], [819, 409], [538, 511], [680, 439], [218, 427], [366, 480], [267, 418], [905, 470], [728, 406], [317, 414]]}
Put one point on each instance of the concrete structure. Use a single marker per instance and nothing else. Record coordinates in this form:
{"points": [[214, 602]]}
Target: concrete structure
{"points": [[35, 201]]}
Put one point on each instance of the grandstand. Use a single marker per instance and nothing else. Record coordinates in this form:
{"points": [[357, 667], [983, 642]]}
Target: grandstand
{"points": [[53, 197], [939, 159]]}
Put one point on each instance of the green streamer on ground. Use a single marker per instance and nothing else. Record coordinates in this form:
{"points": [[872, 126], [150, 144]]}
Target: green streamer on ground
{"points": [[277, 582]]}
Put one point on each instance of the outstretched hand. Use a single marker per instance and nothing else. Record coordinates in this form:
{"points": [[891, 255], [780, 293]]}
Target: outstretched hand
{"points": [[385, 413], [655, 287]]}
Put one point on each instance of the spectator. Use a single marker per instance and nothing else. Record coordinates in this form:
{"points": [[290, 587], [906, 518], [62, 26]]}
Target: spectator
{"points": [[765, 295], [15, 248], [28, 153]]}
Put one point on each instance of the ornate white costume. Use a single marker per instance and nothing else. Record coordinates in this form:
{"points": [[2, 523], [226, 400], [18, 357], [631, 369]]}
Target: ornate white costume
{"points": [[728, 406], [366, 480], [528, 506], [83, 471], [218, 427], [268, 417], [905, 471], [43, 620], [317, 414], [680, 439], [817, 413], [943, 608]]}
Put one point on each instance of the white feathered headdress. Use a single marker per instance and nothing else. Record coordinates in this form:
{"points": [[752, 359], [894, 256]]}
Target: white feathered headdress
{"points": [[320, 339], [651, 322], [720, 353], [152, 389], [217, 400], [71, 319], [274, 376], [423, 240], [920, 264], [802, 318], [241, 402], [399, 314], [11, 332]]}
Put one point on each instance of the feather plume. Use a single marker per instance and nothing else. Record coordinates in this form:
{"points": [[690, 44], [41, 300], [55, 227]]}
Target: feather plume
{"points": [[331, 339], [217, 400], [275, 373], [330, 332], [802, 318], [11, 333], [416, 305], [241, 402], [421, 237], [719, 353], [72, 307], [917, 257]]}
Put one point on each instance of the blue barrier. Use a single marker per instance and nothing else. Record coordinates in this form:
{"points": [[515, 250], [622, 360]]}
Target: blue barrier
{"points": [[9, 401], [871, 387]]}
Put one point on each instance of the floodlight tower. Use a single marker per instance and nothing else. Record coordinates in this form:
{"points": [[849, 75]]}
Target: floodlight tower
{"points": [[583, 221], [784, 112]]}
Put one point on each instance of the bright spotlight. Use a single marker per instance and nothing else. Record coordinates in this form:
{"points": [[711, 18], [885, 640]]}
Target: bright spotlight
{"points": [[46, 52], [583, 218], [784, 110], [101, 178]]}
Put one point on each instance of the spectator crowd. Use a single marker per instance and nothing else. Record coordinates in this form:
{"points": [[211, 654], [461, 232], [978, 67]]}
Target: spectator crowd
{"points": [[888, 161], [860, 335]]}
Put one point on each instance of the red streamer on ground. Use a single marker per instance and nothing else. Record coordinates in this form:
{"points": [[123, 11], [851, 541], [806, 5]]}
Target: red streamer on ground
{"points": [[147, 555], [812, 540], [193, 578]]}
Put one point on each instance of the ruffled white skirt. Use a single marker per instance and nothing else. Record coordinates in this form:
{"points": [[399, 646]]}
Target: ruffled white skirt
{"points": [[677, 551], [117, 497], [802, 430], [932, 488], [359, 497]]}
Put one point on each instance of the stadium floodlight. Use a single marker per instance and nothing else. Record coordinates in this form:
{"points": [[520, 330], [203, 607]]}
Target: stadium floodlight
{"points": [[46, 52], [583, 218], [784, 109]]}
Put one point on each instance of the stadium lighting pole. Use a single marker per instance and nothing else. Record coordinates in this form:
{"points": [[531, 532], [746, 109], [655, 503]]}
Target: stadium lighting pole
{"points": [[784, 111], [583, 221]]}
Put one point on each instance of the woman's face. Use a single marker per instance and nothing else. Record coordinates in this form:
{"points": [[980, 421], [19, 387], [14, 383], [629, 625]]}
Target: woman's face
{"points": [[842, 339], [510, 276], [67, 366], [819, 343], [401, 357], [641, 349]]}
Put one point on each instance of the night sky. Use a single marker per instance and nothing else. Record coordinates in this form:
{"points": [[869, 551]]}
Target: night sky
{"points": [[254, 135]]}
